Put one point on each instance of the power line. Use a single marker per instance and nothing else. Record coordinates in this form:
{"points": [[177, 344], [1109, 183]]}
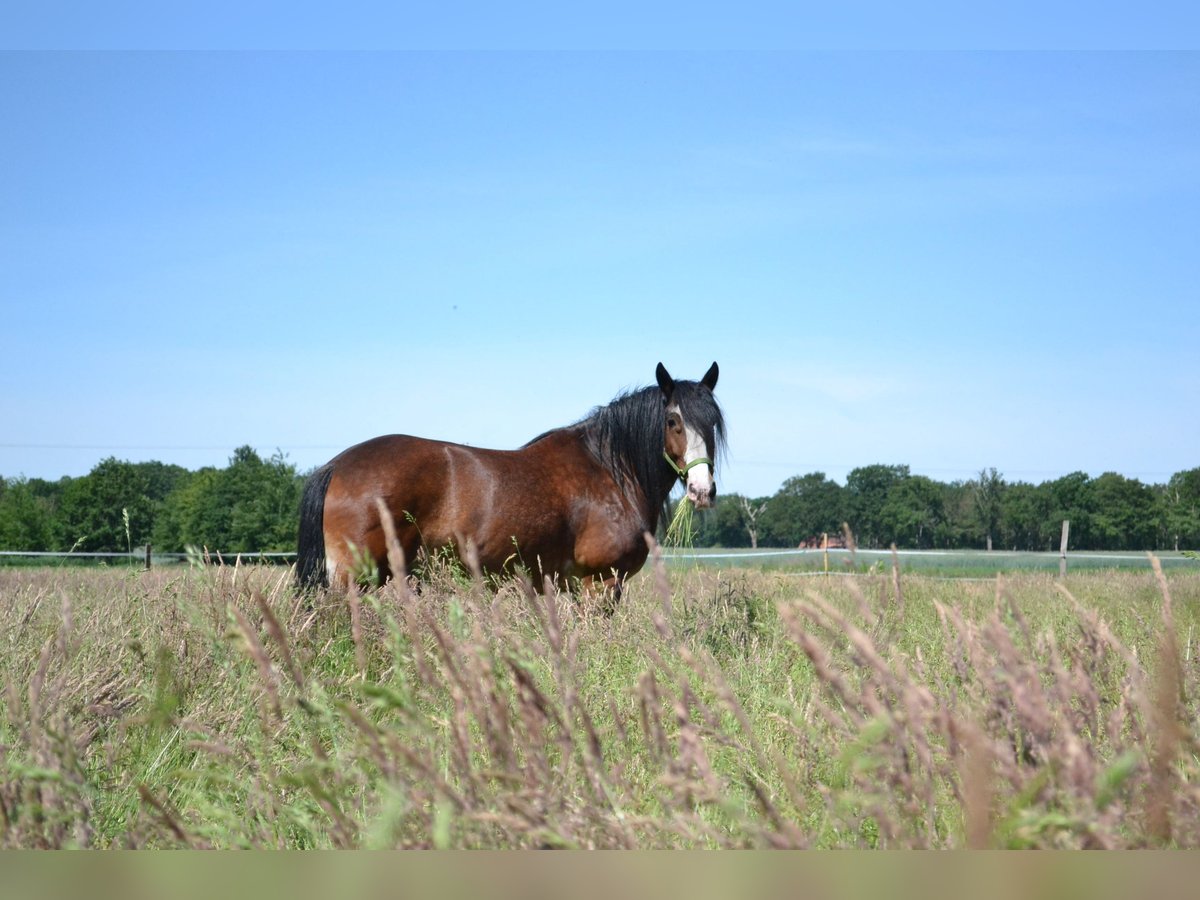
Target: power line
{"points": [[7, 446]]}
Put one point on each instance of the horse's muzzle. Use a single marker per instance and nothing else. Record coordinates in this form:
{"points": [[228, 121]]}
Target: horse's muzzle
{"points": [[703, 496]]}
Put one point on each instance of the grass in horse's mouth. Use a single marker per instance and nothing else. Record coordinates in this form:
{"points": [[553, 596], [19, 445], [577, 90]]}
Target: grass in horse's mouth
{"points": [[681, 528]]}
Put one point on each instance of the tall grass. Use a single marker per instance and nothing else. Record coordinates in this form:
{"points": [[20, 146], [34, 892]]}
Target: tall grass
{"points": [[214, 707]]}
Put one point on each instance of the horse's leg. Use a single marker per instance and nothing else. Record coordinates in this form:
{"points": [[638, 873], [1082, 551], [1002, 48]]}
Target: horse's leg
{"points": [[339, 565], [349, 564]]}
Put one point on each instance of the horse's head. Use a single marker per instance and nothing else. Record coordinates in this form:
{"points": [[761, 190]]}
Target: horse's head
{"points": [[694, 431]]}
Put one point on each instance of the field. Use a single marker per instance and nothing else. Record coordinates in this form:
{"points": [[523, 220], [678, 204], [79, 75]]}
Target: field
{"points": [[950, 563], [210, 706]]}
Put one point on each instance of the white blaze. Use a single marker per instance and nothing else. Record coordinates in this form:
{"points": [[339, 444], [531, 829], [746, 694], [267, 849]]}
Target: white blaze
{"points": [[699, 478]]}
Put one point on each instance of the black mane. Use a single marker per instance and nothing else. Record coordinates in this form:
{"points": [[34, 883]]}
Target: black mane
{"points": [[626, 436]]}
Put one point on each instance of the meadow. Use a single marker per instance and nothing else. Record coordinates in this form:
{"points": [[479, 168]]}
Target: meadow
{"points": [[212, 706], [945, 563]]}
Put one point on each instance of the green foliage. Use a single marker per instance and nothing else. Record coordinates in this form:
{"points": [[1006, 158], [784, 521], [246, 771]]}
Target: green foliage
{"points": [[26, 520], [1127, 513], [888, 504], [251, 505], [867, 490], [193, 509], [1180, 499], [1023, 512], [806, 507], [93, 508], [988, 502], [912, 512], [724, 524], [1071, 498]]}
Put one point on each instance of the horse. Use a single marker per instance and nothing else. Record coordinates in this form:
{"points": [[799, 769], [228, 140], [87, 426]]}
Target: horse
{"points": [[573, 505]]}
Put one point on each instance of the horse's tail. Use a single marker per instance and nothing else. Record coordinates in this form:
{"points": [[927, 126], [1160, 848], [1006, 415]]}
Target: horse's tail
{"points": [[310, 553]]}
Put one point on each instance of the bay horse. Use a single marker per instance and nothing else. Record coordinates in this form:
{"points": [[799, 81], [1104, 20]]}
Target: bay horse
{"points": [[573, 503]]}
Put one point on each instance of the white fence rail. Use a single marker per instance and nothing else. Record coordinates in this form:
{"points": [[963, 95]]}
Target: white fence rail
{"points": [[834, 561], [136, 554], [143, 555]]}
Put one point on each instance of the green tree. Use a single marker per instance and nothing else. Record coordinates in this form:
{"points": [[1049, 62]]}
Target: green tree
{"points": [[49, 494], [957, 525], [93, 508], [188, 512], [159, 479], [867, 489], [912, 512], [725, 524], [266, 502], [1181, 507], [1127, 514], [25, 518], [1024, 511], [805, 507], [1070, 497], [250, 506], [988, 501]]}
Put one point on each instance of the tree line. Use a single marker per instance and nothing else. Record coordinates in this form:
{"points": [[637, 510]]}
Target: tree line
{"points": [[252, 505], [887, 504]]}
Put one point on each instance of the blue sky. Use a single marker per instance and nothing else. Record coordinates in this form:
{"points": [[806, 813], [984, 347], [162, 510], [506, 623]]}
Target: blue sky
{"points": [[950, 260]]}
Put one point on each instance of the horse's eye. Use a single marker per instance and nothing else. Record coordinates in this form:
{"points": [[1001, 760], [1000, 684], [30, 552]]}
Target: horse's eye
{"points": [[672, 422]]}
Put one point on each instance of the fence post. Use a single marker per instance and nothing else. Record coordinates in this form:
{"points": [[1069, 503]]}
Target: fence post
{"points": [[1062, 549], [825, 549], [147, 557]]}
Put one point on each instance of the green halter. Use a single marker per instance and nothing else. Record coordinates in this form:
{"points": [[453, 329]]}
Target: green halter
{"points": [[682, 473]]}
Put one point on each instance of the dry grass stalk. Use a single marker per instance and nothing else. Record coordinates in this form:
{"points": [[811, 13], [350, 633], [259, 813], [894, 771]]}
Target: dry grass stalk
{"points": [[897, 591], [280, 638], [395, 553], [262, 661], [354, 602], [662, 583], [1166, 729], [169, 817]]}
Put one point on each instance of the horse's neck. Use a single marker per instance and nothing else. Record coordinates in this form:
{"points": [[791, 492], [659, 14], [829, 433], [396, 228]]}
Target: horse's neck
{"points": [[574, 440], [647, 502]]}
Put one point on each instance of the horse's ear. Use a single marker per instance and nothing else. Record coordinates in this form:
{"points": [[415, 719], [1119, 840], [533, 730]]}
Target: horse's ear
{"points": [[710, 377], [665, 382]]}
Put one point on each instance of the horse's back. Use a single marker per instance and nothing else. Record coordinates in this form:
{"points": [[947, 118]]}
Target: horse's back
{"points": [[408, 473]]}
